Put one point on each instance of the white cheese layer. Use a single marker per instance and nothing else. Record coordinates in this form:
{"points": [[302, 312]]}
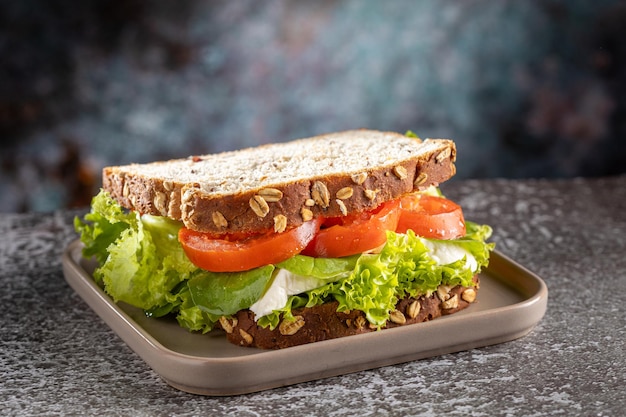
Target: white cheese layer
{"points": [[283, 285], [446, 253]]}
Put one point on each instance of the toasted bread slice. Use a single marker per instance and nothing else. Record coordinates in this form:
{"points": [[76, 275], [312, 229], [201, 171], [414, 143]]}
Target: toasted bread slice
{"points": [[278, 186]]}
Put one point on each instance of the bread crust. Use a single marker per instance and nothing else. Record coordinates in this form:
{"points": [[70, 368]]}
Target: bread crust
{"points": [[324, 322], [202, 210]]}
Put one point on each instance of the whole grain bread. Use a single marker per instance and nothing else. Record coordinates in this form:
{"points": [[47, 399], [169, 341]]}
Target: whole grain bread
{"points": [[324, 322], [282, 185]]}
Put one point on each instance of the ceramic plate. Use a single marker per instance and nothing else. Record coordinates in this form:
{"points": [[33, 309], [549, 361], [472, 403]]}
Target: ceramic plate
{"points": [[511, 301]]}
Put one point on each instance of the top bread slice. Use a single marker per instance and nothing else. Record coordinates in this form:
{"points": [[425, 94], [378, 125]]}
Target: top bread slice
{"points": [[278, 186]]}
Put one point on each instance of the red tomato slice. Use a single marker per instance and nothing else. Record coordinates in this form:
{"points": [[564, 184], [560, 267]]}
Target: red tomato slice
{"points": [[431, 217], [353, 234], [219, 254]]}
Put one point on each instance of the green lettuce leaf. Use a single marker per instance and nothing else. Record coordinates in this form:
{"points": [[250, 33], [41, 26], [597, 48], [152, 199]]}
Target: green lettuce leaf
{"points": [[322, 268], [102, 226], [133, 267], [191, 316], [370, 288], [227, 293], [421, 263]]}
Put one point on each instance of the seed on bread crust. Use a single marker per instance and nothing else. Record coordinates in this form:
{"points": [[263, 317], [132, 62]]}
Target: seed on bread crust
{"points": [[306, 214], [309, 202], [413, 309], [219, 220], [342, 207], [280, 223], [228, 324], [443, 155], [420, 179], [271, 195], [345, 193], [452, 302], [259, 206], [320, 194], [469, 295], [291, 327], [397, 317], [247, 338], [359, 178], [400, 172], [443, 292], [160, 203], [371, 194], [360, 322]]}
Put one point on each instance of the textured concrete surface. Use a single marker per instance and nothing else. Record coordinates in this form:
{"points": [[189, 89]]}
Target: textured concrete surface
{"points": [[59, 358]]}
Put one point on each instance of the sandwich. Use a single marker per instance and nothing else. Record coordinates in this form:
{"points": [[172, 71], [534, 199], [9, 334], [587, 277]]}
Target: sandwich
{"points": [[289, 243]]}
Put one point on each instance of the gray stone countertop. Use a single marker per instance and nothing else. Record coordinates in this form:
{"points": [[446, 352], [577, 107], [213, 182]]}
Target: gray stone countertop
{"points": [[58, 358]]}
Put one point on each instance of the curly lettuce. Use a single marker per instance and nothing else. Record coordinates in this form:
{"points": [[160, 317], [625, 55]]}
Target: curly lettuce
{"points": [[140, 259]]}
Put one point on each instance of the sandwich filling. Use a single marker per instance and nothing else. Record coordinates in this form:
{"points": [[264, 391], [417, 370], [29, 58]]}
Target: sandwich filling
{"points": [[366, 261]]}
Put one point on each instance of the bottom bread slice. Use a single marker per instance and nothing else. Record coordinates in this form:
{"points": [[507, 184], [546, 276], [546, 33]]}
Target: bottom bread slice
{"points": [[323, 322]]}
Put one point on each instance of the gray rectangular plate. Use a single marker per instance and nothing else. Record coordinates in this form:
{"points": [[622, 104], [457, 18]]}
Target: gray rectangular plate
{"points": [[511, 301]]}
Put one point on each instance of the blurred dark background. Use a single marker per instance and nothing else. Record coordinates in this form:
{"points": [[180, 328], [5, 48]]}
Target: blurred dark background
{"points": [[531, 88]]}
